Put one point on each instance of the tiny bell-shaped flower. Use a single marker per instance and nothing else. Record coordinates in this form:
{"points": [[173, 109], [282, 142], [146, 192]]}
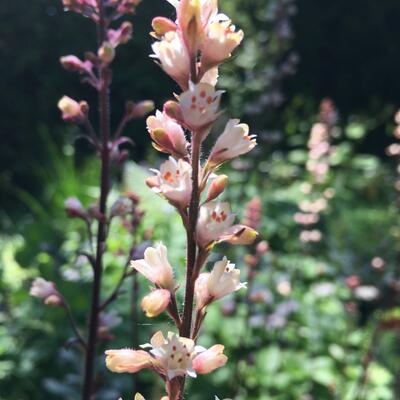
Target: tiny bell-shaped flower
{"points": [[139, 110], [173, 182], [73, 111], [168, 135], [106, 53], [156, 267], [210, 360], [127, 360], [223, 280], [233, 142], [46, 291], [221, 39], [217, 187], [121, 35], [74, 64], [199, 106], [156, 302]]}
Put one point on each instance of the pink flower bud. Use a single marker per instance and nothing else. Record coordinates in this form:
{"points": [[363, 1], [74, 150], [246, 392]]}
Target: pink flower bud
{"points": [[217, 187], [121, 207], [106, 53], [162, 25], [209, 360], [46, 291], [53, 300], [173, 110], [72, 110], [156, 302], [74, 208], [121, 35], [127, 360], [74, 64], [141, 109], [262, 247]]}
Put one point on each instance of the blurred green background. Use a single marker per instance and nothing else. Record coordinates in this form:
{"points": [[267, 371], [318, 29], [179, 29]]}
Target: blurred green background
{"points": [[309, 337]]}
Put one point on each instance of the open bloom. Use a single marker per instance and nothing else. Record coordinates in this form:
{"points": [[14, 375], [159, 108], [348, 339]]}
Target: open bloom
{"points": [[233, 142], [173, 181], [220, 41], [209, 360], [223, 280], [167, 135], [173, 57], [156, 302], [127, 360], [46, 291], [215, 225], [72, 110], [156, 267], [199, 106]]}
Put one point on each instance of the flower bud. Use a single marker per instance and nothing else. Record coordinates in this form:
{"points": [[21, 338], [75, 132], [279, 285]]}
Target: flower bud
{"points": [[121, 35], [46, 291], [209, 360], [262, 247], [139, 110], [106, 53], [72, 111], [121, 207], [217, 187], [127, 360], [138, 396], [74, 64], [173, 110], [162, 25], [156, 302], [53, 300], [74, 208]]}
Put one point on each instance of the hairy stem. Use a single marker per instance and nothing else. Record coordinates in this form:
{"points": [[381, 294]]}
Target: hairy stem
{"points": [[104, 116]]}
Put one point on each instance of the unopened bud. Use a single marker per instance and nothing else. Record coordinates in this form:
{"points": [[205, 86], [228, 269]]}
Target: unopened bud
{"points": [[152, 181], [72, 110], [121, 207], [156, 302], [106, 53], [74, 208], [47, 291], [162, 25], [217, 186], [161, 138], [173, 110], [139, 110], [74, 64], [53, 300]]}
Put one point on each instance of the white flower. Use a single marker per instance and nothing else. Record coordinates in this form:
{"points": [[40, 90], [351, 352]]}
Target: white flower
{"points": [[173, 181], [156, 267], [42, 288], [199, 105], [223, 280], [233, 142]]}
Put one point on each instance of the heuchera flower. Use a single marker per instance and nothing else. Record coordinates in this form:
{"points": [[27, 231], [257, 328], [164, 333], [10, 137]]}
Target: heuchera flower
{"points": [[221, 39], [74, 64], [173, 182], [209, 360], [173, 57], [233, 142], [156, 267], [223, 280], [156, 302], [167, 135], [217, 187], [71, 109], [122, 35], [127, 360], [46, 291], [199, 106], [215, 225]]}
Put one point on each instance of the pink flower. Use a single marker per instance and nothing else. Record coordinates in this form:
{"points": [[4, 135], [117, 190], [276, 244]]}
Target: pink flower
{"points": [[223, 280], [156, 302], [46, 291], [220, 41], [167, 135], [173, 57], [209, 360], [217, 187], [72, 110], [173, 182], [233, 142], [215, 225], [174, 354], [156, 267], [199, 106], [127, 360]]}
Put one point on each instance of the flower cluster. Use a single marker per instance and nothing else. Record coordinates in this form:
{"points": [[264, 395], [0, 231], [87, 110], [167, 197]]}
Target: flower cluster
{"points": [[316, 195], [189, 50]]}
